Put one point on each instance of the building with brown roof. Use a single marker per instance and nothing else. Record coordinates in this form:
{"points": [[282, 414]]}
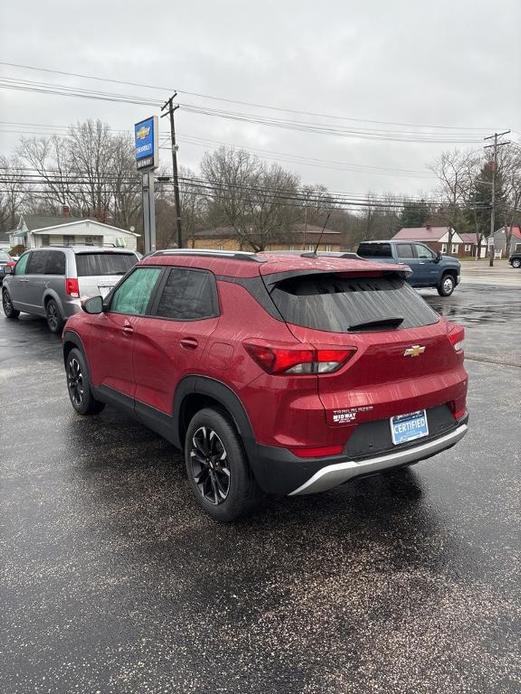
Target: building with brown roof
{"points": [[299, 237]]}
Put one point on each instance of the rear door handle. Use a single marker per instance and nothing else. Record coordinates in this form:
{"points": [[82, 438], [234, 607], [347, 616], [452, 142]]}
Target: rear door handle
{"points": [[189, 343], [23, 280], [128, 329]]}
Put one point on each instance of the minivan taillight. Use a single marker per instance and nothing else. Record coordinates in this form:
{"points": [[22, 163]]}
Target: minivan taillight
{"points": [[456, 337], [72, 287], [297, 361]]}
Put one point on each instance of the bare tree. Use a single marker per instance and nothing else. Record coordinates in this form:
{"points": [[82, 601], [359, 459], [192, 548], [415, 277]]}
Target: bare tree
{"points": [[13, 191], [509, 167], [90, 169], [256, 200], [456, 172]]}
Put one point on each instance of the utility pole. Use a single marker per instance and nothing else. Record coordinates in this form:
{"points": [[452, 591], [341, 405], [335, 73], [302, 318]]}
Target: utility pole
{"points": [[170, 112], [495, 145]]}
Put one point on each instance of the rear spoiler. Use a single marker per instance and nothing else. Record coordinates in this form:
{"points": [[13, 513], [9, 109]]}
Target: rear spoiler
{"points": [[403, 271]]}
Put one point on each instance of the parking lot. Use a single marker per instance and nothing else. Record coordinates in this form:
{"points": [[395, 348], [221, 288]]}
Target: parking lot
{"points": [[113, 581]]}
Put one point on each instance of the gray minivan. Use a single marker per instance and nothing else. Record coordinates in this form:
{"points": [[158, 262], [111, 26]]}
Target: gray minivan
{"points": [[52, 281]]}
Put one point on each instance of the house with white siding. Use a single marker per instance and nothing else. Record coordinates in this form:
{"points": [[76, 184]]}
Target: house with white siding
{"points": [[36, 231]]}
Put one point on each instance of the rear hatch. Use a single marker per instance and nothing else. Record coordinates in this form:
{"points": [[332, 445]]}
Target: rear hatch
{"points": [[100, 270], [402, 358]]}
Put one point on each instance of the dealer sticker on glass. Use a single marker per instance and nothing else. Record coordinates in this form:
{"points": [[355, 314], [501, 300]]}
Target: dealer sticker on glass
{"points": [[408, 427]]}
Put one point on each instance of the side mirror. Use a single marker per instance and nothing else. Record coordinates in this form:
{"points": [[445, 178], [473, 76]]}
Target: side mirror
{"points": [[438, 257], [9, 270], [93, 305]]}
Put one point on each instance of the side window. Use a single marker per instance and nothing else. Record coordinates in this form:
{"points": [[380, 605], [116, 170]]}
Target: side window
{"points": [[55, 263], [21, 265], [423, 252], [37, 262], [404, 250], [188, 295], [133, 296]]}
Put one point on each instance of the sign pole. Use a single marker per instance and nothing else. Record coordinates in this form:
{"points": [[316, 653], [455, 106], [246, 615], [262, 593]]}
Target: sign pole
{"points": [[146, 134], [152, 211], [149, 213]]}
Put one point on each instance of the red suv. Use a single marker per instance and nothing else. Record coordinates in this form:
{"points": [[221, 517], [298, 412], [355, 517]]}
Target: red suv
{"points": [[289, 374]]}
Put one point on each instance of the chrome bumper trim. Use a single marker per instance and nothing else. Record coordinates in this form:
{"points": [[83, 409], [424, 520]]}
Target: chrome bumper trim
{"points": [[338, 473]]}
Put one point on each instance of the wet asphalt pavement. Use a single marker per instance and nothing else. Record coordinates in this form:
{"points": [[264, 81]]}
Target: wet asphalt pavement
{"points": [[113, 581]]}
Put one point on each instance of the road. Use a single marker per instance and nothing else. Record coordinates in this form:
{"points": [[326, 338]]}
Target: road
{"points": [[112, 581]]}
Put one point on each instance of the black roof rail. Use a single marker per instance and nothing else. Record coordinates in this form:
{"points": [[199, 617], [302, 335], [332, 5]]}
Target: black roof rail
{"points": [[211, 253]]}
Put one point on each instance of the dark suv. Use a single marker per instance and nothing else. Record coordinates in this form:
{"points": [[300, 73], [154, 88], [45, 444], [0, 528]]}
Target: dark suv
{"points": [[287, 374]]}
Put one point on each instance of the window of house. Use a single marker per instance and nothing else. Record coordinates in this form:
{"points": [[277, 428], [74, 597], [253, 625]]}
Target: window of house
{"points": [[68, 240], [133, 296], [443, 247], [454, 248], [188, 295], [468, 247]]}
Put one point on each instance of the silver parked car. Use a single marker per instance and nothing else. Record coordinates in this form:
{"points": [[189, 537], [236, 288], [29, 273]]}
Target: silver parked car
{"points": [[52, 281]]}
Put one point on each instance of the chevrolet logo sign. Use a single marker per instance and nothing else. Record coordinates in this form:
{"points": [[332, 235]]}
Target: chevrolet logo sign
{"points": [[414, 351], [142, 132]]}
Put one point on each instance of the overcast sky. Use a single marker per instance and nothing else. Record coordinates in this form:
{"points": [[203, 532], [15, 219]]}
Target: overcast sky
{"points": [[450, 62]]}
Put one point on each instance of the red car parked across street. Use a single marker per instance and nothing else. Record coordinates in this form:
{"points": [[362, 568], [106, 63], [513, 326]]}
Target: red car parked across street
{"points": [[287, 374]]}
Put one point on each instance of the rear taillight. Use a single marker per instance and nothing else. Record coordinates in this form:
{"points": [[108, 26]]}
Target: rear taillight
{"points": [[457, 337], [72, 287], [294, 362]]}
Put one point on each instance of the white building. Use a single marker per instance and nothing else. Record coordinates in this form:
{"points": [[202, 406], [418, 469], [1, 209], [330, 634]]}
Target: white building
{"points": [[35, 231]]}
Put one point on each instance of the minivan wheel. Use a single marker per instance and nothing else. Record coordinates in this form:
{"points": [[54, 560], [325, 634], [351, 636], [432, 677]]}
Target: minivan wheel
{"points": [[7, 305], [516, 263], [78, 385], [217, 468], [54, 318], [446, 286]]}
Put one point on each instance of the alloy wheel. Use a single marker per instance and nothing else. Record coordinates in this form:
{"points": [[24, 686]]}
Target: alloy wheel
{"points": [[6, 301], [447, 285], [52, 315], [75, 382], [209, 463]]}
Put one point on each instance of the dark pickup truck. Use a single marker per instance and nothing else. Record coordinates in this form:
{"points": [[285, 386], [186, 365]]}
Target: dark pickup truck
{"points": [[515, 259], [429, 269]]}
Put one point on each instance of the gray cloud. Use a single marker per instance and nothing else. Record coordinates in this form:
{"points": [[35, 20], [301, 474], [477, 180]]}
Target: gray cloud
{"points": [[450, 63]]}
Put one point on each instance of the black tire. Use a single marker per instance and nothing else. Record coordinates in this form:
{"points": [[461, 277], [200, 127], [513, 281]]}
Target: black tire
{"points": [[78, 384], [446, 285], [516, 263], [54, 318], [9, 310], [217, 468]]}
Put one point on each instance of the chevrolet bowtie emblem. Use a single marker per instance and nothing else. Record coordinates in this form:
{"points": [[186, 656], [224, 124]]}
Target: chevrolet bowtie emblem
{"points": [[414, 351]]}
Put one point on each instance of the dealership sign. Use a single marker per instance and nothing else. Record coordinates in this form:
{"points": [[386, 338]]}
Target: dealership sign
{"points": [[146, 134]]}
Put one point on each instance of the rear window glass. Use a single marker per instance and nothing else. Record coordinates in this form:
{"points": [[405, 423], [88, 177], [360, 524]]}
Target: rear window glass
{"points": [[95, 264], [336, 303], [375, 250], [4, 256]]}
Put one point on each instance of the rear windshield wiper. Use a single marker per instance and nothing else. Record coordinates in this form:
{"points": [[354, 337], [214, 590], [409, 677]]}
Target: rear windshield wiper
{"points": [[377, 323]]}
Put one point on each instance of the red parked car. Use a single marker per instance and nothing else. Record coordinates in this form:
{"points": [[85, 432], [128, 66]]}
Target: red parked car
{"points": [[286, 374]]}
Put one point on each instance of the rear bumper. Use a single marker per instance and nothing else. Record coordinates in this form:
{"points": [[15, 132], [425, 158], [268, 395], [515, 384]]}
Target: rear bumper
{"points": [[338, 473], [278, 471]]}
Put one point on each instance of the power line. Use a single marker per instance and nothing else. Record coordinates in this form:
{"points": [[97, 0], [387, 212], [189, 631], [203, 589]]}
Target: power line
{"points": [[302, 126], [238, 101]]}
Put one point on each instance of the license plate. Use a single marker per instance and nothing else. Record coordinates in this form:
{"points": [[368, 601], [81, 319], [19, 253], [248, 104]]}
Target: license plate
{"points": [[408, 427]]}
